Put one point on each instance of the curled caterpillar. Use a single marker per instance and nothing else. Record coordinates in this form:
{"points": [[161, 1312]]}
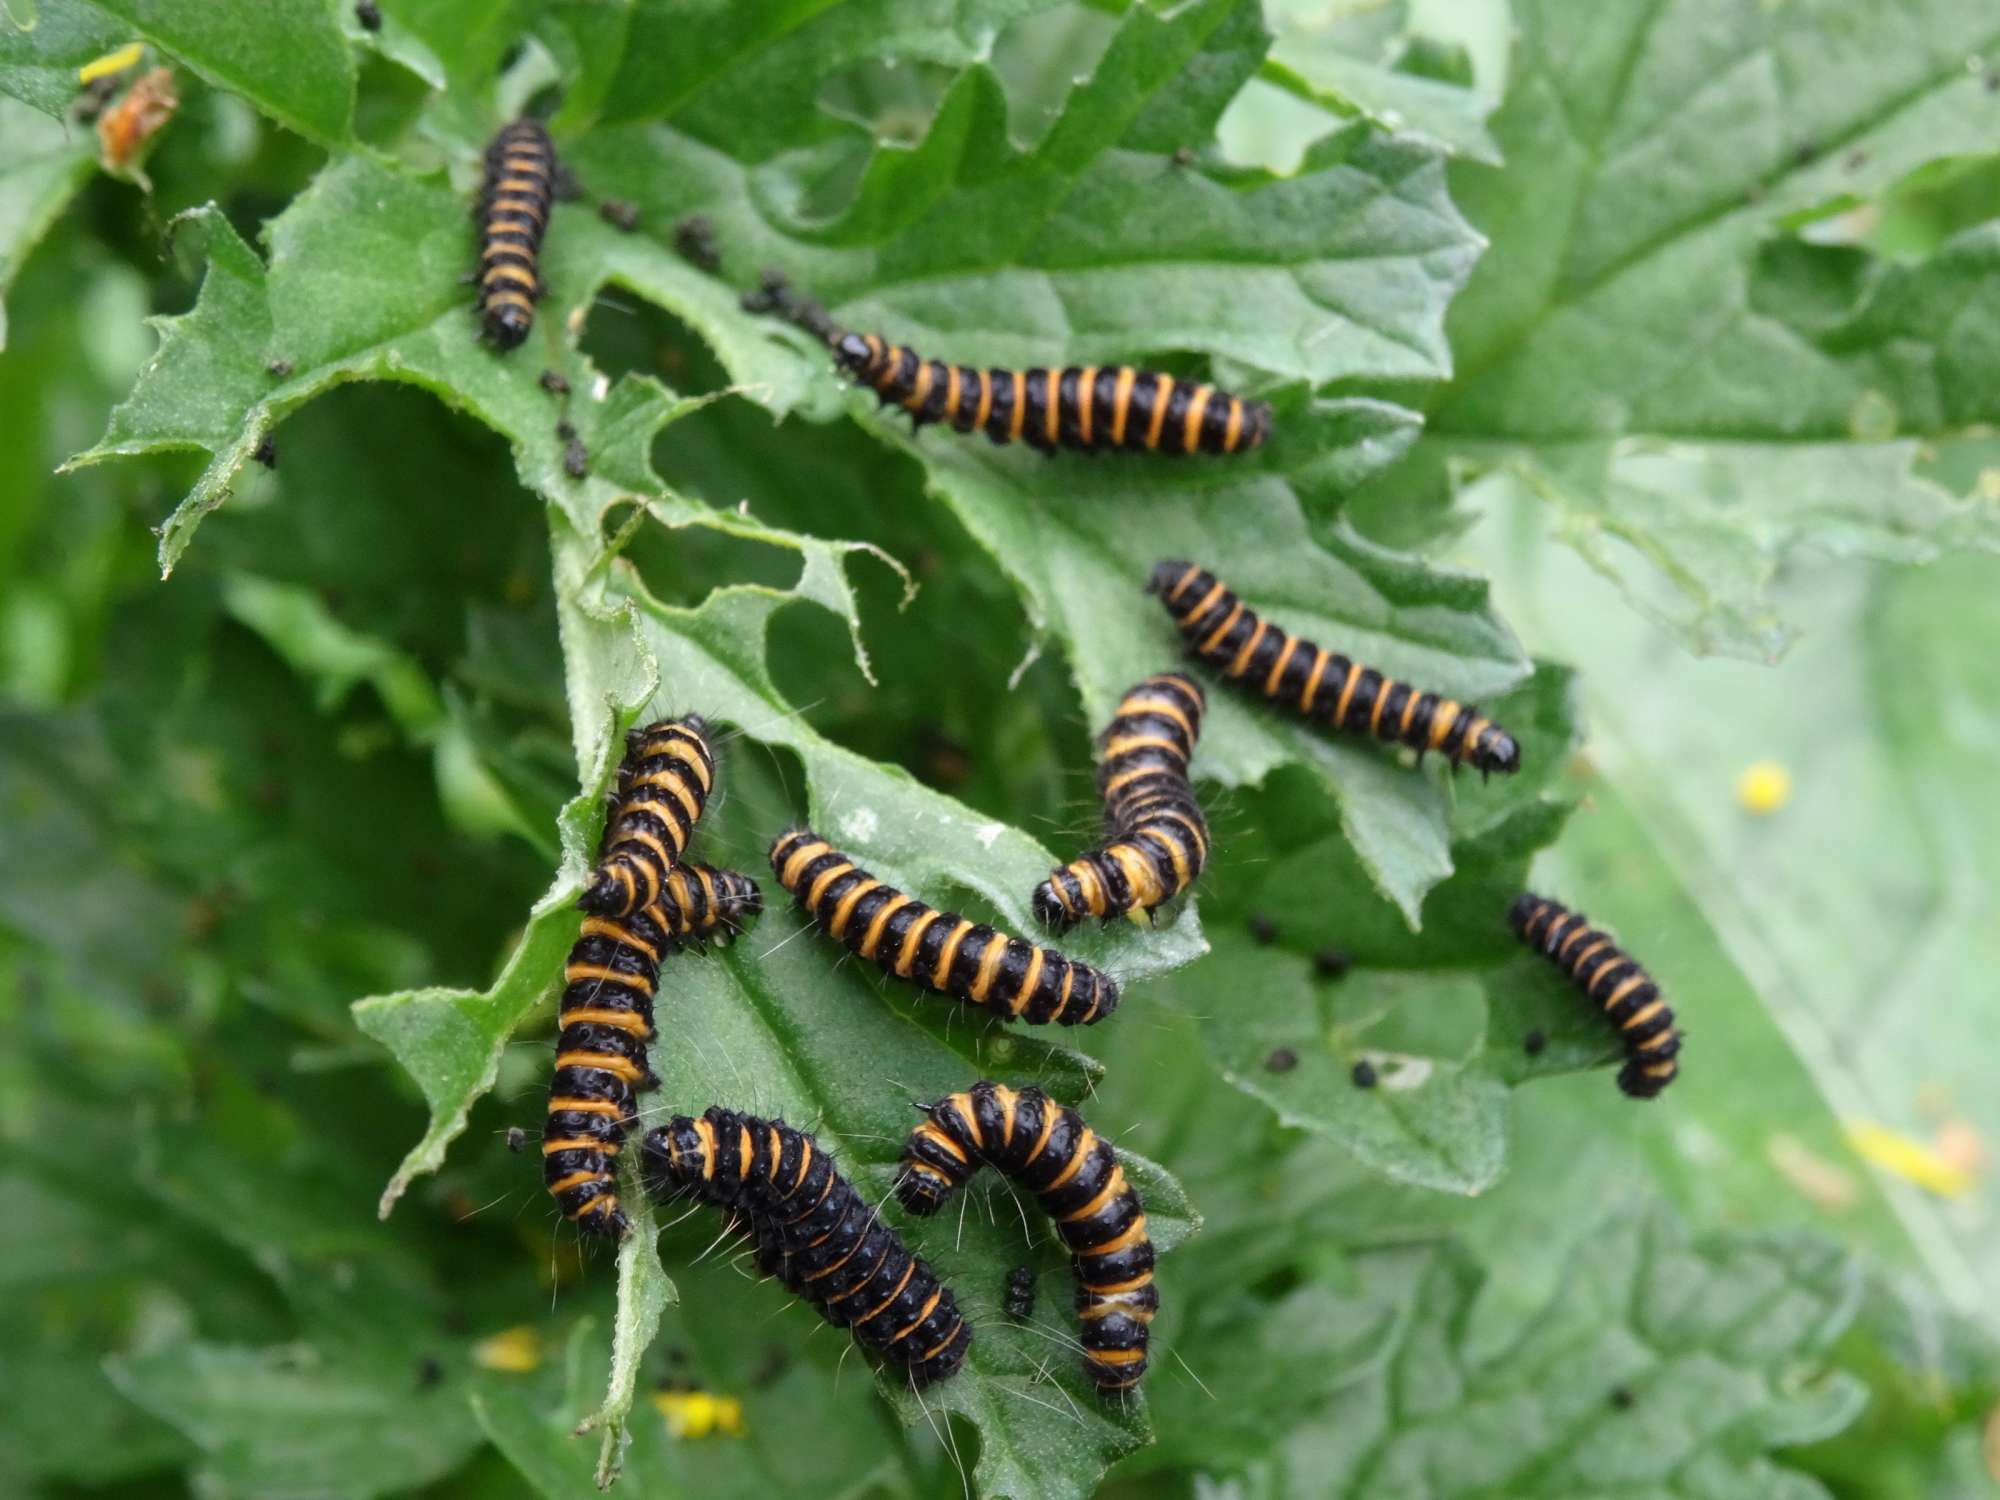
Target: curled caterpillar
{"points": [[514, 214], [938, 951], [1157, 838], [1614, 982], [663, 785], [1087, 407], [1323, 685], [1076, 1178], [815, 1233], [607, 1020]]}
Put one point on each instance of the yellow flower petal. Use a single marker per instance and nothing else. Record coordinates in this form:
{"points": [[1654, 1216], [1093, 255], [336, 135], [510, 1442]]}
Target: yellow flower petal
{"points": [[1908, 1158], [111, 62], [515, 1351], [1763, 788]]}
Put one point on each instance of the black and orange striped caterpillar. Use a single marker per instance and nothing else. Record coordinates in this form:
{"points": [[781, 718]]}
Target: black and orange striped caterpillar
{"points": [[938, 951], [815, 1233], [663, 785], [606, 1018], [1156, 837], [1614, 982], [514, 214], [1085, 407], [1077, 1179], [1324, 685]]}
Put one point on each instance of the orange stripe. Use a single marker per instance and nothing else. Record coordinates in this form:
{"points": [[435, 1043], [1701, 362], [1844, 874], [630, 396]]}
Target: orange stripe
{"points": [[1161, 392], [1121, 401], [1197, 408]]}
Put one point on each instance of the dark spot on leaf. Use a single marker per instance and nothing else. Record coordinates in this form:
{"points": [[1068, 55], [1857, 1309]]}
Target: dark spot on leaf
{"points": [[771, 1368], [266, 453], [1263, 931], [430, 1371], [1183, 156], [1364, 1074], [278, 369], [619, 213], [1622, 1398], [1332, 963], [368, 14], [554, 384], [1281, 1060], [576, 459], [694, 242], [565, 430], [1856, 159], [1533, 1043], [1806, 153]]}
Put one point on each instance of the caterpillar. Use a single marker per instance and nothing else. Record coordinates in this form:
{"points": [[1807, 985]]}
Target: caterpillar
{"points": [[1158, 838], [1086, 407], [1614, 982], [514, 214], [815, 1233], [663, 785], [1324, 685], [938, 951], [1019, 1301], [607, 1019], [1077, 1179]]}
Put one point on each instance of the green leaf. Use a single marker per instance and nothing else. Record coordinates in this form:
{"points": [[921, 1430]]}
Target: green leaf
{"points": [[298, 626], [1892, 660], [1635, 348], [788, 1384], [1430, 1118], [288, 57], [1381, 64], [41, 52], [750, 78], [451, 1041], [46, 165], [1719, 1343], [311, 1418]]}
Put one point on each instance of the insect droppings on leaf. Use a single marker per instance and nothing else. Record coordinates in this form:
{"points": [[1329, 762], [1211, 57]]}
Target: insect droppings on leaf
{"points": [[1332, 963]]}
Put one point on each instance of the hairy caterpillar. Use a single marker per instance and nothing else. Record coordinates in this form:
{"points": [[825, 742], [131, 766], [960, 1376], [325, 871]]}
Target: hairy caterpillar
{"points": [[1087, 407], [514, 214], [1614, 982], [815, 1233], [939, 951], [609, 982], [663, 785], [1157, 838], [1076, 1178], [1323, 685]]}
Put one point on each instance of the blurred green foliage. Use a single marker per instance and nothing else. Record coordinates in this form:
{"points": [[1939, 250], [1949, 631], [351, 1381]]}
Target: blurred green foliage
{"points": [[1707, 295]]}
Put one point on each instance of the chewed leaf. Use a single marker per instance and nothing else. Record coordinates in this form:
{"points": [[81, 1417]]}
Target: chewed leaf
{"points": [[1703, 397]]}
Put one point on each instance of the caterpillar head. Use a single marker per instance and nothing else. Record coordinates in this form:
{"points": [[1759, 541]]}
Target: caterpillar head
{"points": [[507, 324], [1165, 576], [854, 354]]}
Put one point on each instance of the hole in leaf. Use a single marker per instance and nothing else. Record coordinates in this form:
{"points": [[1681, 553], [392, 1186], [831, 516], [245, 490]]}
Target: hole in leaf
{"points": [[683, 564], [624, 334]]}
